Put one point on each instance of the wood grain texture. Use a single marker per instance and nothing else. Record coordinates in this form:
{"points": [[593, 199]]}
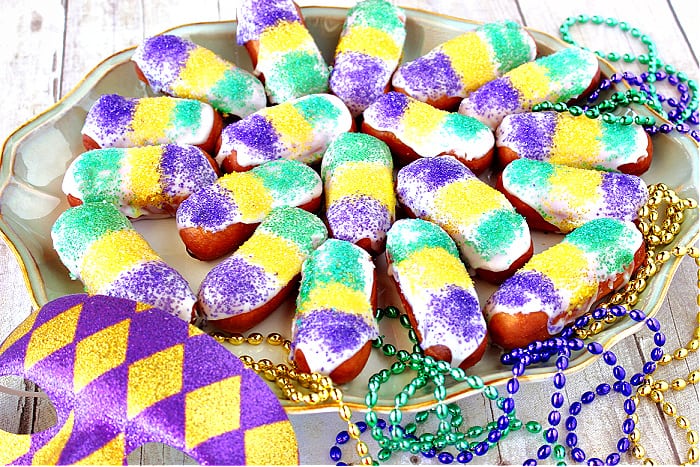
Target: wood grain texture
{"points": [[51, 44]]}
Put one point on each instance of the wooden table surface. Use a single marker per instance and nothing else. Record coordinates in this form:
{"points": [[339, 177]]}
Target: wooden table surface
{"points": [[49, 45]]}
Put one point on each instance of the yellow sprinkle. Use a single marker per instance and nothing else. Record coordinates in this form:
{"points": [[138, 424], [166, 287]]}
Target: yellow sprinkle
{"points": [[576, 140], [250, 195], [294, 131], [278, 256], [284, 37], [151, 120], [420, 121], [111, 255], [567, 267], [362, 178], [143, 176], [338, 296], [474, 68], [463, 203], [202, 71], [531, 80], [369, 41], [576, 188], [432, 269]]}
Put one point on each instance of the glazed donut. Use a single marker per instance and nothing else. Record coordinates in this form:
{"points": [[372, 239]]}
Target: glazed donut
{"points": [[180, 68], [414, 129], [368, 52], [216, 219], [357, 174], [284, 54], [115, 121], [436, 291], [334, 322], [299, 130], [246, 287], [558, 198], [491, 236], [560, 77], [148, 181], [561, 283], [562, 138], [450, 71], [99, 246]]}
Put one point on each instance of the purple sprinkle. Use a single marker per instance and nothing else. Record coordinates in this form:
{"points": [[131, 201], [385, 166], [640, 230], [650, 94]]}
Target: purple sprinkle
{"points": [[389, 108], [531, 134], [623, 195], [162, 58], [497, 96], [457, 313], [358, 80], [235, 286], [358, 217], [431, 74], [521, 288], [432, 173], [112, 114], [154, 283], [255, 133], [333, 331], [184, 170], [257, 15], [210, 208]]}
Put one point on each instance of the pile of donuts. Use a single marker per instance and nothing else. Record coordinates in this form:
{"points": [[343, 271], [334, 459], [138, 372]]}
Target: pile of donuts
{"points": [[292, 180]]}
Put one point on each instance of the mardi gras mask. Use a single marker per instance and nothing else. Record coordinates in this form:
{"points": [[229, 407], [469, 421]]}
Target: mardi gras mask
{"points": [[121, 374]]}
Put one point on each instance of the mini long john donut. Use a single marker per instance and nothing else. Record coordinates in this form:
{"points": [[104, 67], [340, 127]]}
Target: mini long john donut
{"points": [[99, 246], [334, 322], [178, 67], [357, 173], [450, 71], [414, 129], [145, 181], [284, 54], [491, 236], [437, 292], [582, 142], [560, 77], [561, 283], [368, 52], [560, 198], [219, 217], [300, 129], [116, 121], [246, 287]]}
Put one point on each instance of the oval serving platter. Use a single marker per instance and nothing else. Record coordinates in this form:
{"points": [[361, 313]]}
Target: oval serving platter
{"points": [[35, 157]]}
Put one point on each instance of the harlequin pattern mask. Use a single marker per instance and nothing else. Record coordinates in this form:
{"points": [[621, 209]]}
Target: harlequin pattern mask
{"points": [[121, 374]]}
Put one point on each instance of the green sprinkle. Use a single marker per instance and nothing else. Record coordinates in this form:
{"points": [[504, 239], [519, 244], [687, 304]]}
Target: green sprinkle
{"points": [[296, 225], [187, 113], [509, 44], [317, 110], [97, 174], [297, 73], [354, 147], [378, 14], [287, 180], [409, 236], [232, 90]]}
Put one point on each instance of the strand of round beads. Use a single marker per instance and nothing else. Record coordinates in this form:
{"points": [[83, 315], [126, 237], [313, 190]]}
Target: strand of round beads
{"points": [[654, 389], [685, 107], [621, 386], [320, 387]]}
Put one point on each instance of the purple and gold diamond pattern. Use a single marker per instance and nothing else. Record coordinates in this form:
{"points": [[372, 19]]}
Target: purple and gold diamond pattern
{"points": [[121, 374]]}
